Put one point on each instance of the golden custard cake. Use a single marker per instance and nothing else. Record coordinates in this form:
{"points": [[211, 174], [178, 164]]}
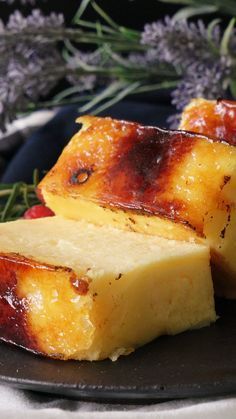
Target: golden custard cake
{"points": [[216, 118], [174, 184], [73, 290]]}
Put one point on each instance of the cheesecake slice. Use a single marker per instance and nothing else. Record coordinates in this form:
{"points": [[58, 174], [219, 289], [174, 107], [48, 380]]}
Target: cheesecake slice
{"points": [[73, 290], [216, 118], [174, 184]]}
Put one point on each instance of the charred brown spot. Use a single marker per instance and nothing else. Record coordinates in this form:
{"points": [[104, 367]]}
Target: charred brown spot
{"points": [[132, 220], [80, 176], [142, 167], [222, 233], [27, 263], [118, 276], [80, 285], [225, 181]]}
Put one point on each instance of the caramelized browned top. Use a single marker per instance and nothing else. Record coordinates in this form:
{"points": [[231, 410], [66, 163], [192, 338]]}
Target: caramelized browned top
{"points": [[213, 118], [142, 167], [145, 169]]}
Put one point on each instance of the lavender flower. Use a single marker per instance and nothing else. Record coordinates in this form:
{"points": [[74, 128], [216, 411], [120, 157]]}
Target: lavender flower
{"points": [[35, 21], [196, 57], [32, 63], [84, 60], [203, 80], [138, 59], [28, 69], [180, 43], [21, 1]]}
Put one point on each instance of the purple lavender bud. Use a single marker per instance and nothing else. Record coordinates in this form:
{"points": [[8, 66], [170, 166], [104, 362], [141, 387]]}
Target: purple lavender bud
{"points": [[179, 43], [27, 66]]}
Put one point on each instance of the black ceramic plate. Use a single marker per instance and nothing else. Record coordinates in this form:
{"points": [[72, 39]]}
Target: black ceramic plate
{"points": [[192, 364]]}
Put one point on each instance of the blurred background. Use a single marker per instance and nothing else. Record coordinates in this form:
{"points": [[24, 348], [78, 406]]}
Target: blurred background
{"points": [[16, 164], [37, 139], [132, 13]]}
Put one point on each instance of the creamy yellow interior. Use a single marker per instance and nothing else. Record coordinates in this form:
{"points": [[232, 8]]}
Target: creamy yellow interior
{"points": [[140, 287]]}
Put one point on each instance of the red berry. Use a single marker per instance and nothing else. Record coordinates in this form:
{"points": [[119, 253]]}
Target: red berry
{"points": [[38, 211]]}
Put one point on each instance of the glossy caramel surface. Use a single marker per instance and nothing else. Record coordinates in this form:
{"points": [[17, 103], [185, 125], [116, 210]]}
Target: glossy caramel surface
{"points": [[23, 282], [216, 118], [147, 170], [14, 326]]}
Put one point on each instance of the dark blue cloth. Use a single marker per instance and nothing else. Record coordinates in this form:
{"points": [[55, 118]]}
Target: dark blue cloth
{"points": [[44, 147]]}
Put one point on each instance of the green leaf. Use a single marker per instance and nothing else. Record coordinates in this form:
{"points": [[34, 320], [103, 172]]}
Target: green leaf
{"points": [[91, 25], [126, 32], [121, 95], [16, 198], [187, 12], [99, 29], [26, 196], [11, 201], [210, 29], [4, 186], [83, 6], [70, 91], [157, 86], [107, 92], [130, 33], [69, 47], [117, 58], [104, 15], [224, 46], [35, 177]]}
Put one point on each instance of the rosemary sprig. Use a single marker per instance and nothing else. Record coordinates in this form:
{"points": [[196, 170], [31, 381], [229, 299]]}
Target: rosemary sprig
{"points": [[16, 198], [118, 41]]}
